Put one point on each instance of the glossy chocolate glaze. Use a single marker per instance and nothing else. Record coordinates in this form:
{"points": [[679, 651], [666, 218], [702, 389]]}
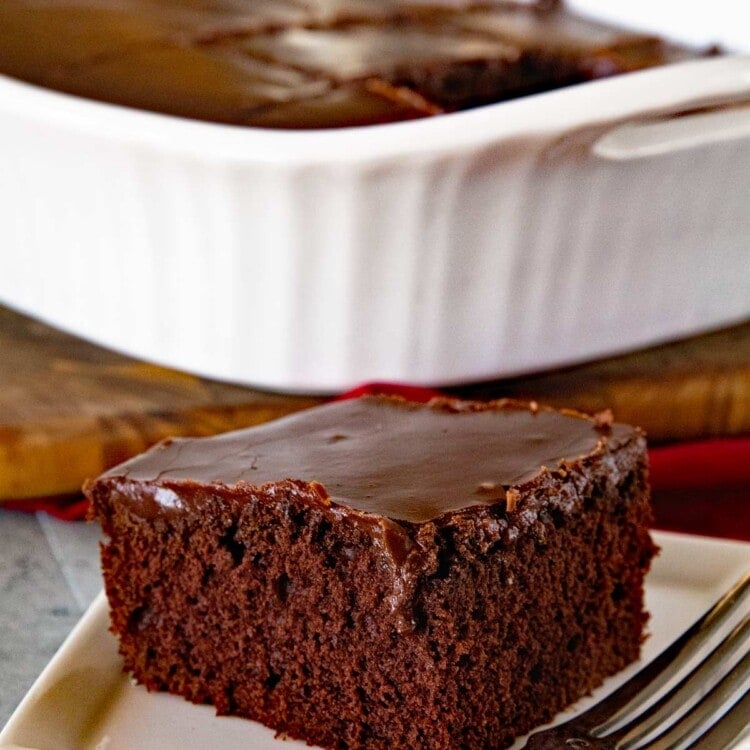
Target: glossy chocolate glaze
{"points": [[384, 457], [310, 63]]}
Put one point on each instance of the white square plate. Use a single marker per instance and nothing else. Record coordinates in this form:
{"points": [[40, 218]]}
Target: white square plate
{"points": [[82, 701]]}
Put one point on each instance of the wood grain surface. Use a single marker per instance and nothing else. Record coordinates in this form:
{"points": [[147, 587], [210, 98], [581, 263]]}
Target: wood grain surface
{"points": [[69, 409], [686, 390]]}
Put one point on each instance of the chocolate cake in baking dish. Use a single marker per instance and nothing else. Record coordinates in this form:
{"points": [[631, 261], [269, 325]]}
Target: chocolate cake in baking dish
{"points": [[381, 574], [312, 63]]}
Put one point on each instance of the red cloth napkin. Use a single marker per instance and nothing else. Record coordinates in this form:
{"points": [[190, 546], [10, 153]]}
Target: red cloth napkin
{"points": [[700, 487]]}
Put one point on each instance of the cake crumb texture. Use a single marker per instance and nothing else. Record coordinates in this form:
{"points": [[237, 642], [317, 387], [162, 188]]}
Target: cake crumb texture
{"points": [[351, 630]]}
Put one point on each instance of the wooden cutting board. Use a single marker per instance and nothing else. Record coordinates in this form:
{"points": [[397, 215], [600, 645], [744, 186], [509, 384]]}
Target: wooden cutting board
{"points": [[687, 390], [69, 410]]}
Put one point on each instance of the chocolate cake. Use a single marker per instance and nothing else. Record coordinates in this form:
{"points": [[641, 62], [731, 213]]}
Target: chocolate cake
{"points": [[381, 574], [312, 63]]}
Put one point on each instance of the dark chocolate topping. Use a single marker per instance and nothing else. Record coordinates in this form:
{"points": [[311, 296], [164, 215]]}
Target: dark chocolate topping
{"points": [[310, 63], [386, 457]]}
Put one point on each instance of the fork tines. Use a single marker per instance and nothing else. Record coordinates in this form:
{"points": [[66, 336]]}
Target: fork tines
{"points": [[685, 698]]}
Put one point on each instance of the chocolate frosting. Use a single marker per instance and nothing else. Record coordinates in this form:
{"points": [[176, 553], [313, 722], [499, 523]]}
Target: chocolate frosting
{"points": [[382, 456], [310, 63]]}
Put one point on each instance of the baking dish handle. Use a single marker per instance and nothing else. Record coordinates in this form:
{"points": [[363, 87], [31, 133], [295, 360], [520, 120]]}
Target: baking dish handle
{"points": [[702, 118]]}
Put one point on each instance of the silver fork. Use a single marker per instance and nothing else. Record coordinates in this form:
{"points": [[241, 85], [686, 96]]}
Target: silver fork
{"points": [[672, 703]]}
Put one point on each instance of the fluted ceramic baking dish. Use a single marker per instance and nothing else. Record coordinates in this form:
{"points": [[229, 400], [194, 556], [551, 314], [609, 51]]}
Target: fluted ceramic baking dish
{"points": [[506, 239]]}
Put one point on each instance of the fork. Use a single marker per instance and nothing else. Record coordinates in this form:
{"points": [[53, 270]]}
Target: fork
{"points": [[672, 703]]}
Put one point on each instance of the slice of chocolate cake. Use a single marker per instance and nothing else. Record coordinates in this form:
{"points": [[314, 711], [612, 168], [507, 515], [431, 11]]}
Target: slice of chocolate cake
{"points": [[382, 574]]}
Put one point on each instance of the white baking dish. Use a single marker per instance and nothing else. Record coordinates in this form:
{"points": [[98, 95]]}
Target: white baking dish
{"points": [[515, 237]]}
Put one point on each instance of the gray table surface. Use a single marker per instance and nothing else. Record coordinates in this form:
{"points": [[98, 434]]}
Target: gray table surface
{"points": [[49, 574]]}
